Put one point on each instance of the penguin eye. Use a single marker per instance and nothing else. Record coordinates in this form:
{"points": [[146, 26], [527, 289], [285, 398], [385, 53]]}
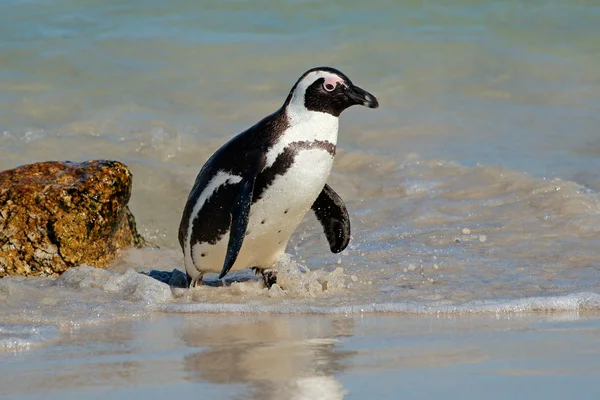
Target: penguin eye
{"points": [[328, 87]]}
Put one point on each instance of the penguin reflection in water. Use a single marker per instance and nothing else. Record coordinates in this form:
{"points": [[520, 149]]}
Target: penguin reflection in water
{"points": [[253, 192]]}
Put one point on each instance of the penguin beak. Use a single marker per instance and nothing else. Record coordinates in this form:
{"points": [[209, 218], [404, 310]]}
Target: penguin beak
{"points": [[362, 97]]}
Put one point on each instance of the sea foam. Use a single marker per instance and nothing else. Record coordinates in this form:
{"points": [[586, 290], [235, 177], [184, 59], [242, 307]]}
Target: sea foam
{"points": [[569, 302]]}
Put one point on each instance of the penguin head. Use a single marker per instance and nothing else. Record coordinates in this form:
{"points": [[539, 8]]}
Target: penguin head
{"points": [[327, 90]]}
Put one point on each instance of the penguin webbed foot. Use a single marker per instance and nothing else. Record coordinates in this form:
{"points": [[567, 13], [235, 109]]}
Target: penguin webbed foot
{"points": [[269, 276], [193, 282]]}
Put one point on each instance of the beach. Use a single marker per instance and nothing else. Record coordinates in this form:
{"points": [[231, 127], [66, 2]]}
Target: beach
{"points": [[540, 355], [473, 268]]}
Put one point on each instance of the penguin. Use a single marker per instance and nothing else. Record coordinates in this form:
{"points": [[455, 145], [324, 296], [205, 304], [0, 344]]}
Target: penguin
{"points": [[252, 193]]}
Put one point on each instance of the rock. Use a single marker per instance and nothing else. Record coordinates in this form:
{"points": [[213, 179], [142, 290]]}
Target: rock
{"points": [[175, 278], [58, 215]]}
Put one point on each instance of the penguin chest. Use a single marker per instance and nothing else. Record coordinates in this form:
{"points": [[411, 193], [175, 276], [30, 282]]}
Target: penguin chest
{"points": [[283, 204]]}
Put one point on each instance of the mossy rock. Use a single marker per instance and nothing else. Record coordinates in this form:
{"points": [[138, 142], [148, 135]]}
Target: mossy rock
{"points": [[58, 215]]}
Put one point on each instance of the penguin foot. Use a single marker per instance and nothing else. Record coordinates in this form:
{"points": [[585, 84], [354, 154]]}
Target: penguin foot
{"points": [[195, 281], [269, 276]]}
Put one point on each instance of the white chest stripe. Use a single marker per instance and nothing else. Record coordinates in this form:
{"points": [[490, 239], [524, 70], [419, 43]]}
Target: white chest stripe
{"points": [[220, 179], [305, 126]]}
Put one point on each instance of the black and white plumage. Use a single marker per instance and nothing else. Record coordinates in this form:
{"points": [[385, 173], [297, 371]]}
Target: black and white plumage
{"points": [[250, 196]]}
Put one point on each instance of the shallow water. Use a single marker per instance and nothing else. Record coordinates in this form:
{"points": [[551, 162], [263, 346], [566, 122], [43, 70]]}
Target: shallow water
{"points": [[472, 189], [316, 357]]}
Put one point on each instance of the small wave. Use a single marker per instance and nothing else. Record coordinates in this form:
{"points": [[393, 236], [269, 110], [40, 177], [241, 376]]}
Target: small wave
{"points": [[571, 302], [130, 285], [86, 295], [81, 296]]}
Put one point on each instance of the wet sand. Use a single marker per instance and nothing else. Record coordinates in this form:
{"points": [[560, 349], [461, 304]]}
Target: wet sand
{"points": [[379, 356]]}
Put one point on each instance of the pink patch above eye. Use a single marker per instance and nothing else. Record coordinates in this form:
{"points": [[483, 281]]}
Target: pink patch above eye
{"points": [[331, 82]]}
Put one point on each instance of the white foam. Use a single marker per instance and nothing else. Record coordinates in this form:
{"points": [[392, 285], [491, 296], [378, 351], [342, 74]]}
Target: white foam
{"points": [[24, 337], [35, 309], [294, 283], [131, 285], [81, 296], [570, 302]]}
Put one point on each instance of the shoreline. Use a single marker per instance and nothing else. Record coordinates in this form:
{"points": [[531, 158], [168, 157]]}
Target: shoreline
{"points": [[544, 355]]}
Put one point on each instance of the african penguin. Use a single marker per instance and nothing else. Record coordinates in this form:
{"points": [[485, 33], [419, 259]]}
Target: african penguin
{"points": [[252, 193]]}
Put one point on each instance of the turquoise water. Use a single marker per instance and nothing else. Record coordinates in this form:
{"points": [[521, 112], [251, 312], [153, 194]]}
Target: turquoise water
{"points": [[490, 82], [474, 187]]}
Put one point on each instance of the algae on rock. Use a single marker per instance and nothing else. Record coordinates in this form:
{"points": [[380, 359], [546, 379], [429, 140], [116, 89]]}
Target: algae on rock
{"points": [[58, 215]]}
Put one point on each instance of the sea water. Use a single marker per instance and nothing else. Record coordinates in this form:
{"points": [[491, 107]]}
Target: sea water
{"points": [[472, 189]]}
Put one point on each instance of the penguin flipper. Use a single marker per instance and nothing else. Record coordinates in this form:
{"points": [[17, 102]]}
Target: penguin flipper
{"points": [[333, 216], [240, 211]]}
